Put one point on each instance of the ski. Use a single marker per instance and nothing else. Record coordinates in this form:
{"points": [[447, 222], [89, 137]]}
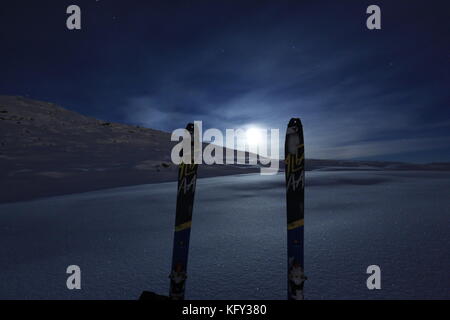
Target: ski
{"points": [[187, 177], [295, 193]]}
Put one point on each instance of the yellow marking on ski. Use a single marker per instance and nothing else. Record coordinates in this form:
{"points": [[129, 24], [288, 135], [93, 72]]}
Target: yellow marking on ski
{"points": [[183, 226], [181, 172], [296, 224], [293, 163], [186, 169]]}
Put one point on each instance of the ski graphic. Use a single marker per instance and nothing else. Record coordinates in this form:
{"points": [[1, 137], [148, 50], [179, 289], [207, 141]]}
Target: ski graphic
{"points": [[187, 177], [295, 193]]}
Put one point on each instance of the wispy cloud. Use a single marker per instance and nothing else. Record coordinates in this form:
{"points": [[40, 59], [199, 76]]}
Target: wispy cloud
{"points": [[352, 101]]}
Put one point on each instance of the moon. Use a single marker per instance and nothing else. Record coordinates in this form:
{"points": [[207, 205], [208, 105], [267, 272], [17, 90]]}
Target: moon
{"points": [[254, 136]]}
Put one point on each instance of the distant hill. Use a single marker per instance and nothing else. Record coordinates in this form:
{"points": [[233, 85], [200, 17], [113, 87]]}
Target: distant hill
{"points": [[48, 150], [47, 132], [334, 165]]}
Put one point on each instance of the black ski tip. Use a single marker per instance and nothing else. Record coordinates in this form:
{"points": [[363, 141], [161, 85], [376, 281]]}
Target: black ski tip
{"points": [[190, 127], [295, 122], [147, 295]]}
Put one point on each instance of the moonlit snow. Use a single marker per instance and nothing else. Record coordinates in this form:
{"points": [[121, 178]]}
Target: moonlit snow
{"points": [[122, 239]]}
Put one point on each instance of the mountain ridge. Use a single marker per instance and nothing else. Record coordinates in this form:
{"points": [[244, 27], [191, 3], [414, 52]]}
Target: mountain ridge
{"points": [[49, 150]]}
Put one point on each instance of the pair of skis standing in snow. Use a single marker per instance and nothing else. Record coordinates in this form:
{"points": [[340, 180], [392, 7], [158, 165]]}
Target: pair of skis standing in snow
{"points": [[295, 186]]}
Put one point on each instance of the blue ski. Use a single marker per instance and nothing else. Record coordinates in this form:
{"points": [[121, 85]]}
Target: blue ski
{"points": [[187, 177], [295, 194]]}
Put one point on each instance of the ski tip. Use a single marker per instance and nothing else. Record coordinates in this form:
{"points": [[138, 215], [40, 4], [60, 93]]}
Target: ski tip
{"points": [[295, 122], [190, 127]]}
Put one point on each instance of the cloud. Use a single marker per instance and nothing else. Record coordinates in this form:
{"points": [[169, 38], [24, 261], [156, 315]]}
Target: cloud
{"points": [[352, 101]]}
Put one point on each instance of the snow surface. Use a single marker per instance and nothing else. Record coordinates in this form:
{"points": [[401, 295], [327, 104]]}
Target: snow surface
{"points": [[122, 239]]}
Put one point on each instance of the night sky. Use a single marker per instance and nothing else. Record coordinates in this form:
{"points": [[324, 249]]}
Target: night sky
{"points": [[361, 94]]}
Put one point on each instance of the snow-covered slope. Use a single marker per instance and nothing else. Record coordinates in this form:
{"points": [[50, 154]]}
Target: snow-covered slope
{"points": [[122, 239]]}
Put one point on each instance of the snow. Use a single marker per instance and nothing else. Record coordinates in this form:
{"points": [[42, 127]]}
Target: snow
{"points": [[122, 239]]}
